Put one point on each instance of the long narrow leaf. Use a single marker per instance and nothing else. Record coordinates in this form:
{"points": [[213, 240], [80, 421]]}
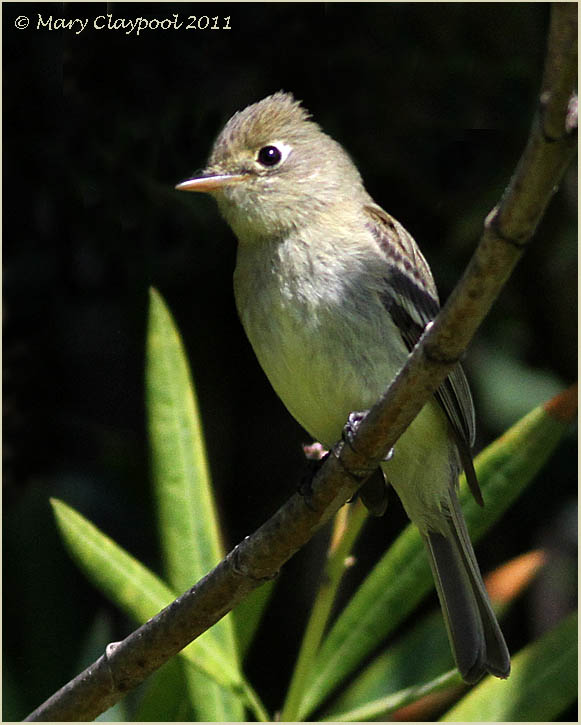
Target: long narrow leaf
{"points": [[401, 666], [158, 702], [384, 706], [402, 578], [542, 684], [404, 663], [189, 534], [248, 615], [188, 524], [132, 587]]}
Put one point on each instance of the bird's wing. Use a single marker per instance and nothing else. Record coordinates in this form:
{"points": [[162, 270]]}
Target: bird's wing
{"points": [[412, 300]]}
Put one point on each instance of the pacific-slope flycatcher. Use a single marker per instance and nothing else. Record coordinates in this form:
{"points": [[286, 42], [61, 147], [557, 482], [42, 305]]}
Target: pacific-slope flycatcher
{"points": [[333, 293]]}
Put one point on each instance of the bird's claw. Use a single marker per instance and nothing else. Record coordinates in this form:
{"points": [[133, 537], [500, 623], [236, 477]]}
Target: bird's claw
{"points": [[350, 428]]}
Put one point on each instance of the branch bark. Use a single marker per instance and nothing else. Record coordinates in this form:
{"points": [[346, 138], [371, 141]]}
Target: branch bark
{"points": [[508, 229]]}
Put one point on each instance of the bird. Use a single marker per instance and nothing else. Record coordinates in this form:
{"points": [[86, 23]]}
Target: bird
{"points": [[333, 293]]}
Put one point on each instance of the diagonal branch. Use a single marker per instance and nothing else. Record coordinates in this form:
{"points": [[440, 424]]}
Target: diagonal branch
{"points": [[507, 230]]}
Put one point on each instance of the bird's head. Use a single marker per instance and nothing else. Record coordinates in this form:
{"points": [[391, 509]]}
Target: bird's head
{"points": [[273, 169]]}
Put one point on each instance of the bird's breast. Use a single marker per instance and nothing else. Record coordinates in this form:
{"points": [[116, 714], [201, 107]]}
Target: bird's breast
{"points": [[320, 333]]}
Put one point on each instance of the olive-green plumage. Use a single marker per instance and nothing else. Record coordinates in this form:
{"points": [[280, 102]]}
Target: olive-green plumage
{"points": [[333, 293]]}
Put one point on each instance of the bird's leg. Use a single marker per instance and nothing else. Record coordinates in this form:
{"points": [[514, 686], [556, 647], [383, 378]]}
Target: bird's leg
{"points": [[373, 493]]}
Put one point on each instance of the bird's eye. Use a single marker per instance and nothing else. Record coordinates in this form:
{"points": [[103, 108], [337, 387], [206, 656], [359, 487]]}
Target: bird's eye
{"points": [[269, 156]]}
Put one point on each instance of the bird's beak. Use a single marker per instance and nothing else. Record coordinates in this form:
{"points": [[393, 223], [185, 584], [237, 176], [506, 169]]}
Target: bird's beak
{"points": [[210, 182]]}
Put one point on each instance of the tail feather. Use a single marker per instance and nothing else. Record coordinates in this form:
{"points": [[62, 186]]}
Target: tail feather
{"points": [[477, 642]]}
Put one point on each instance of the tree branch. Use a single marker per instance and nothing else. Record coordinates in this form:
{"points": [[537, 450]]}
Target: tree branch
{"points": [[507, 230]]}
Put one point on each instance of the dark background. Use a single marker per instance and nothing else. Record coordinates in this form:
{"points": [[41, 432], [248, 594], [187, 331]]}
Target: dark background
{"points": [[433, 101]]}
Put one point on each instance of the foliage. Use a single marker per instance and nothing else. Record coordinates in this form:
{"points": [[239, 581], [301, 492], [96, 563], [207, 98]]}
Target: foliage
{"points": [[215, 689], [434, 102]]}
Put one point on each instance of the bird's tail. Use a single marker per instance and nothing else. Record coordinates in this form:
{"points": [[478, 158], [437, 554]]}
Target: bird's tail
{"points": [[477, 642]]}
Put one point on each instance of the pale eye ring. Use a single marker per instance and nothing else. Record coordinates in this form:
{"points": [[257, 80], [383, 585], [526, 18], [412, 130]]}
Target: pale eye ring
{"points": [[272, 154]]}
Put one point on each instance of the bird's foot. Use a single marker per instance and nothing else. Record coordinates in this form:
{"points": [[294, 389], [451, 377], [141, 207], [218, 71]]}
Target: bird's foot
{"points": [[373, 493], [354, 420]]}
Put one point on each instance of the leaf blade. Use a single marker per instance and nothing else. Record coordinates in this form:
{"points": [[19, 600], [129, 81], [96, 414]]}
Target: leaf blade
{"points": [[131, 586], [189, 531], [504, 470], [542, 684], [188, 522]]}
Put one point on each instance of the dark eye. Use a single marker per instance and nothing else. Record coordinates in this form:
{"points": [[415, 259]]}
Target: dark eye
{"points": [[269, 156]]}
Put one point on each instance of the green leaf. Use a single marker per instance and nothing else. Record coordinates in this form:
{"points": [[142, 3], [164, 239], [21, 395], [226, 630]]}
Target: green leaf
{"points": [[399, 667], [248, 614], [132, 587], [188, 524], [394, 587], [162, 698], [402, 577], [542, 684], [403, 663], [377, 709], [508, 388]]}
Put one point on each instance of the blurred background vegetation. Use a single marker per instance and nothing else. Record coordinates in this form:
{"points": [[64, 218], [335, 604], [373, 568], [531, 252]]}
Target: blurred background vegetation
{"points": [[433, 101]]}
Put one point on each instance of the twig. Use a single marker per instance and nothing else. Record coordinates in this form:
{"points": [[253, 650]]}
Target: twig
{"points": [[347, 525], [508, 228]]}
